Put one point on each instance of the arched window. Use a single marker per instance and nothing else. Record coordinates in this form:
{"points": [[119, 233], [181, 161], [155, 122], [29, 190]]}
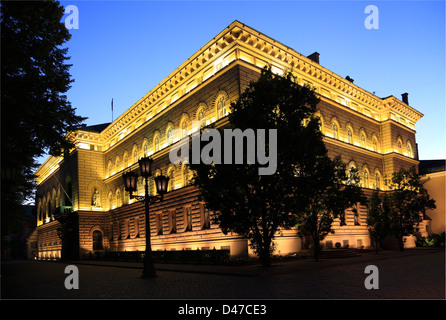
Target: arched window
{"points": [[375, 145], [184, 128], [109, 169], [186, 175], [118, 198], [118, 164], [335, 130], [349, 136], [171, 184], [145, 149], [350, 168], [169, 136], [409, 150], [135, 154], [366, 179], [110, 201], [201, 119], [399, 147], [362, 140], [97, 240], [318, 116], [126, 160], [157, 144], [49, 209], [221, 107], [377, 180]]}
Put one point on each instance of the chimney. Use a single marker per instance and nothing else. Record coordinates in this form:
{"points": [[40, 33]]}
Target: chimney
{"points": [[349, 79], [405, 98], [314, 56]]}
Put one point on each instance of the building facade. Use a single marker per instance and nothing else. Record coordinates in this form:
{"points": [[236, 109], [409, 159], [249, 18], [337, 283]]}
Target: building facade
{"points": [[375, 135]]}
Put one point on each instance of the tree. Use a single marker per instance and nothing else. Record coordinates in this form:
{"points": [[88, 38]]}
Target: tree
{"points": [[35, 114], [409, 201], [378, 217], [331, 189], [257, 206]]}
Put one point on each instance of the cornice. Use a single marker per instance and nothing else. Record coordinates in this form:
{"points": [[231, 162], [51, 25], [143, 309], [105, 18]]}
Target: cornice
{"points": [[246, 43], [239, 42]]}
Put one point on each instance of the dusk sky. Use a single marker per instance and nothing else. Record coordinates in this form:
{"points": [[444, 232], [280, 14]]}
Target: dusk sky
{"points": [[122, 49]]}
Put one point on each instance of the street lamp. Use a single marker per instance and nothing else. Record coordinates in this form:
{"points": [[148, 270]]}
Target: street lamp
{"points": [[130, 181]]}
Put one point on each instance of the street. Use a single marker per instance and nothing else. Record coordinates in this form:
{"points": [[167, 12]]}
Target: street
{"points": [[413, 274]]}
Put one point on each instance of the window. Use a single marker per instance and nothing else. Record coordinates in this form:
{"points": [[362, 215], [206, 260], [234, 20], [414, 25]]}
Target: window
{"points": [[118, 198], [188, 218], [173, 221], [186, 175], [109, 169], [110, 201], [171, 185], [169, 136], [362, 140], [157, 144], [375, 145], [126, 160], [399, 147], [135, 155], [335, 130], [350, 169], [117, 164], [97, 240], [136, 221], [201, 119], [159, 223], [221, 107], [205, 217], [409, 150], [377, 180], [356, 218], [366, 179], [146, 149], [184, 128], [349, 136]]}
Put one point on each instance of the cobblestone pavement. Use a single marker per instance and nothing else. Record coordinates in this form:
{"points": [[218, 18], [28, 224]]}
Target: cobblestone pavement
{"points": [[413, 274]]}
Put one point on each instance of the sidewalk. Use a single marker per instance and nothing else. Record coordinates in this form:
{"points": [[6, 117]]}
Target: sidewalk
{"points": [[282, 267]]}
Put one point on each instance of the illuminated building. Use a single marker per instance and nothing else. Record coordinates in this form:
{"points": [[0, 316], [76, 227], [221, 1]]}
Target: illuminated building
{"points": [[375, 135]]}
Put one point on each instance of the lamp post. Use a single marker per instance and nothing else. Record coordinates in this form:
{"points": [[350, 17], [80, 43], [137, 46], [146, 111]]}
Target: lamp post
{"points": [[130, 180]]}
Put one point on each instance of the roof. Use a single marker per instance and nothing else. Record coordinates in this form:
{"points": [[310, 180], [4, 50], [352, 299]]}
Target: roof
{"points": [[430, 166], [96, 128]]}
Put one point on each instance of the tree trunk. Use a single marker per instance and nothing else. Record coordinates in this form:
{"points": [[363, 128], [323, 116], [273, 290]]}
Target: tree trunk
{"points": [[316, 247], [265, 257]]}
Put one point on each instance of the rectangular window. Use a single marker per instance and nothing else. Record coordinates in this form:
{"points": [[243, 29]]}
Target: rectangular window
{"points": [[173, 221], [159, 223], [136, 226], [188, 218], [205, 217]]}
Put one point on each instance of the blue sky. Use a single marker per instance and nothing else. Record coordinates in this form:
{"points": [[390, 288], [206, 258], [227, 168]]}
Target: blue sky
{"points": [[122, 49]]}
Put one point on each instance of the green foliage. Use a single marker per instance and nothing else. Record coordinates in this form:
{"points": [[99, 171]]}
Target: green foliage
{"points": [[254, 205], [36, 115], [331, 190], [307, 183], [378, 217], [433, 240], [409, 201]]}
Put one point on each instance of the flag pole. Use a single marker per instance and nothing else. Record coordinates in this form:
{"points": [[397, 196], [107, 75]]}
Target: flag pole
{"points": [[112, 108]]}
